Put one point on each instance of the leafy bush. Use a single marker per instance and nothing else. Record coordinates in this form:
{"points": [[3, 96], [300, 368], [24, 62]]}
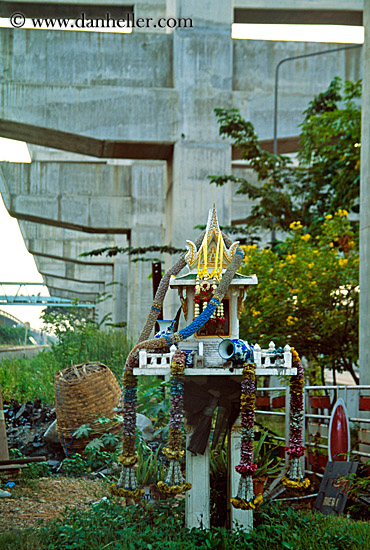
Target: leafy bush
{"points": [[12, 335], [160, 525]]}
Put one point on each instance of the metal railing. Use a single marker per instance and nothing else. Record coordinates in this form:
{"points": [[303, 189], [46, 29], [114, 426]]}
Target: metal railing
{"points": [[323, 419]]}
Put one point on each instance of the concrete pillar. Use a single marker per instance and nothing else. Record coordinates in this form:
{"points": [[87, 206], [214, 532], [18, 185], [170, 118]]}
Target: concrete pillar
{"points": [[203, 64], [365, 210], [148, 186], [120, 289]]}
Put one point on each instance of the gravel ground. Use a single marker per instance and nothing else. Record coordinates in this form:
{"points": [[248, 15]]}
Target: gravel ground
{"points": [[45, 499]]}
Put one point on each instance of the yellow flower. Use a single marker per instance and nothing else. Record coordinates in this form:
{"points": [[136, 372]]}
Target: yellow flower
{"points": [[255, 313], [342, 213], [312, 283], [331, 245], [328, 217], [291, 320], [310, 266], [295, 225], [342, 261], [306, 237], [248, 247]]}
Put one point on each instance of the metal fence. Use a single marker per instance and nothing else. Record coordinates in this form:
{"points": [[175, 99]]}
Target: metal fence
{"points": [[316, 424]]}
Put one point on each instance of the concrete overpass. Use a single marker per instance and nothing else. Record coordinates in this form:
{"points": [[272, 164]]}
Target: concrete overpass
{"points": [[124, 134]]}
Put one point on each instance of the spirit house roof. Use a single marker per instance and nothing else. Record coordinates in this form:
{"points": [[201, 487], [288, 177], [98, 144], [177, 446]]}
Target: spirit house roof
{"points": [[212, 257]]}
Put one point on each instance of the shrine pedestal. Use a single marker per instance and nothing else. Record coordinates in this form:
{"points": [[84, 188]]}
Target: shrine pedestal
{"points": [[197, 466]]}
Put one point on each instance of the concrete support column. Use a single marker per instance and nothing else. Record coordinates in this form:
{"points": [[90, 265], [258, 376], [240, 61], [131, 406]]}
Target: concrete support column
{"points": [[148, 185], [120, 289], [365, 210]]}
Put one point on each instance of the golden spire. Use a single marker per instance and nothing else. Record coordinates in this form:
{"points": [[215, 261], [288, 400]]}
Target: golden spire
{"points": [[213, 256]]}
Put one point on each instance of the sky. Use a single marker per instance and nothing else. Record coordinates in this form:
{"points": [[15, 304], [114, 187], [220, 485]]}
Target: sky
{"points": [[18, 265]]}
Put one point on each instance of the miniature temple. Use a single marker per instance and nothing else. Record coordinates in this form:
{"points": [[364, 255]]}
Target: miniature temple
{"points": [[211, 369]]}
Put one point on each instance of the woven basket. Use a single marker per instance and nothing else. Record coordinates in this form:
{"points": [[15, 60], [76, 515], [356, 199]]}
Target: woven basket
{"points": [[83, 393]]}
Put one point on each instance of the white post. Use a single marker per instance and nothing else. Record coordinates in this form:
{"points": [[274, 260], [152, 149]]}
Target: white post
{"points": [[257, 355], [287, 357], [243, 518], [197, 503]]}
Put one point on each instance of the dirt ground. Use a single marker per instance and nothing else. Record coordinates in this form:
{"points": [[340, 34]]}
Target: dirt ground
{"points": [[46, 498]]}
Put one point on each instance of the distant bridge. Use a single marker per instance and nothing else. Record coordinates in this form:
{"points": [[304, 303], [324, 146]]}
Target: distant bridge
{"points": [[28, 299]]}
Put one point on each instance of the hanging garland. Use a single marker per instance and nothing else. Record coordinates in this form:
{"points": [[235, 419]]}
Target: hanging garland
{"points": [[295, 477], [245, 499], [129, 487], [174, 482]]}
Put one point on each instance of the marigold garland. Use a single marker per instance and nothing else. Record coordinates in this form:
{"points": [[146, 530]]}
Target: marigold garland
{"points": [[174, 482], [245, 499], [295, 477], [127, 485]]}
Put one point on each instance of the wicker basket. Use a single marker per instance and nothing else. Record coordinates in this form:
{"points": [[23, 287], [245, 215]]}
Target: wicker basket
{"points": [[84, 393]]}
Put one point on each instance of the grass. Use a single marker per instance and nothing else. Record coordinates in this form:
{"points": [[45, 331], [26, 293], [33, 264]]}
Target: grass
{"points": [[160, 526], [33, 378]]}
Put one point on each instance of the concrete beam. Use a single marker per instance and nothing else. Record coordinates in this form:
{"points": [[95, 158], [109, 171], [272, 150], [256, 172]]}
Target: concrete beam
{"points": [[298, 16], [72, 295], [332, 5], [98, 148], [57, 243], [78, 287], [74, 272], [85, 197]]}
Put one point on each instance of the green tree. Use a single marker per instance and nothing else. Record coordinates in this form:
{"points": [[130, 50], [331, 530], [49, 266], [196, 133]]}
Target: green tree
{"points": [[327, 175], [308, 290], [307, 295]]}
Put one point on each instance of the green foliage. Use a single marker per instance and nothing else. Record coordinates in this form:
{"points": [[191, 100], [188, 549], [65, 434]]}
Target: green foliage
{"points": [[307, 294], [327, 177], [114, 250], [34, 470], [108, 524], [150, 468], [153, 401], [265, 455], [218, 463], [75, 466], [12, 336], [79, 341]]}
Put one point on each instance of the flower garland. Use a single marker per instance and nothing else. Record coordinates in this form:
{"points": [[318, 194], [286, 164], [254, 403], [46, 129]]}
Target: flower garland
{"points": [[174, 482], [245, 499], [127, 485], [295, 477]]}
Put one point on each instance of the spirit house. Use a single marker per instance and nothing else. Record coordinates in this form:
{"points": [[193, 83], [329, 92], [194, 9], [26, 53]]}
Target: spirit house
{"points": [[206, 266]]}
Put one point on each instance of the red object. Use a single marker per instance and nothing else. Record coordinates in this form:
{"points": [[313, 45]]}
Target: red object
{"points": [[262, 401], [364, 404], [320, 402], [339, 437], [278, 402], [317, 462]]}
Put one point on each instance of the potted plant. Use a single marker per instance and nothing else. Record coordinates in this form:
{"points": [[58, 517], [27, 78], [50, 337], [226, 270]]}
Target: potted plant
{"points": [[265, 455]]}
